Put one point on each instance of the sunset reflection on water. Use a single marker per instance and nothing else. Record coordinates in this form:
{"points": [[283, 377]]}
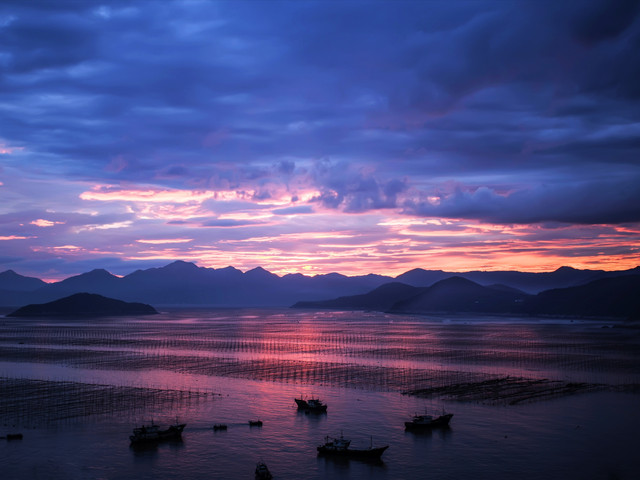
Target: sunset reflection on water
{"points": [[226, 366]]}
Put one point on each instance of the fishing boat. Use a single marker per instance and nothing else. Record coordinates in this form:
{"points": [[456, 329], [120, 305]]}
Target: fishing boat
{"points": [[341, 447], [427, 422], [262, 472], [255, 423], [311, 405], [152, 433], [220, 426]]}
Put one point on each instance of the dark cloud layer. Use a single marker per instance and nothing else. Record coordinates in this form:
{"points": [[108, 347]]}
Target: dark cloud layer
{"points": [[128, 90], [603, 202]]}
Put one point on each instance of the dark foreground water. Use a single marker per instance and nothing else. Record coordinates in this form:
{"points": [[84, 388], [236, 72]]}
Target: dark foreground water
{"points": [[75, 389]]}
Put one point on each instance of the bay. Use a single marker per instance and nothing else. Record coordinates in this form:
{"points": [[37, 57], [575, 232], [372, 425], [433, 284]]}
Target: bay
{"points": [[231, 366]]}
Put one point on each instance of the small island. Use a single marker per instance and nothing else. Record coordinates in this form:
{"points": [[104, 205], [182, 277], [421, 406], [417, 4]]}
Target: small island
{"points": [[84, 305]]}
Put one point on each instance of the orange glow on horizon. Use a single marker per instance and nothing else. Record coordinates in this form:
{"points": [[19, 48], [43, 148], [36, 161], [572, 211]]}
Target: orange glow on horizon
{"points": [[164, 225], [283, 263], [454, 246], [452, 260]]}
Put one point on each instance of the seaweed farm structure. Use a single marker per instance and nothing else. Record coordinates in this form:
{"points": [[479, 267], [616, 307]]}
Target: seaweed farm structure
{"points": [[434, 359], [34, 403]]}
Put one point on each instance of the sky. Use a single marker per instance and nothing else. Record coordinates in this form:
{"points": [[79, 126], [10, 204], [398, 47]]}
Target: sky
{"points": [[314, 137]]}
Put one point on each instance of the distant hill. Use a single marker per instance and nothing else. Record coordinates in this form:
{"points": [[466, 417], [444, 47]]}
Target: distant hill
{"points": [[454, 294], [607, 297], [457, 294], [526, 281], [85, 305], [96, 281], [185, 284], [419, 277], [381, 298], [11, 281]]}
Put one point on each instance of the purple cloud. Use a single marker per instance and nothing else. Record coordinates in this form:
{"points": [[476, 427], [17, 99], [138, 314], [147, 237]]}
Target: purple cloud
{"points": [[605, 202]]}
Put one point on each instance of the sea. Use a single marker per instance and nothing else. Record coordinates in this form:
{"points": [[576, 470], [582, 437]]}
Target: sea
{"points": [[75, 388]]}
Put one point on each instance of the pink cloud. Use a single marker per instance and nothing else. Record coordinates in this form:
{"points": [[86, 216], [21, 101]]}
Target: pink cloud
{"points": [[45, 223]]}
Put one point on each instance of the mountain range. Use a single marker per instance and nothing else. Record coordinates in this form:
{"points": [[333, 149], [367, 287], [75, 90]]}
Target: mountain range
{"points": [[185, 284]]}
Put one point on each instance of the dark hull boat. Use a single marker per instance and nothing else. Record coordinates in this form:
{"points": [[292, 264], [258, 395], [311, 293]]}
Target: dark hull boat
{"points": [[340, 447], [153, 433], [262, 472], [314, 405], [427, 422]]}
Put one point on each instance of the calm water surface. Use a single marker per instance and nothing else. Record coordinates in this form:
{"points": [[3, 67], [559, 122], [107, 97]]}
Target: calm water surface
{"points": [[250, 364]]}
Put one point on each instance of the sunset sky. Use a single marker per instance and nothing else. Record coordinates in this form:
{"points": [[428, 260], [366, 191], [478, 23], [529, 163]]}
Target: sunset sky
{"points": [[315, 137]]}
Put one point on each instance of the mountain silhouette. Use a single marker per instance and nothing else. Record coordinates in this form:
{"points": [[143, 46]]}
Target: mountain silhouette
{"points": [[453, 294], [606, 297], [457, 294], [528, 282], [11, 281], [381, 298], [84, 305], [96, 281], [183, 283]]}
